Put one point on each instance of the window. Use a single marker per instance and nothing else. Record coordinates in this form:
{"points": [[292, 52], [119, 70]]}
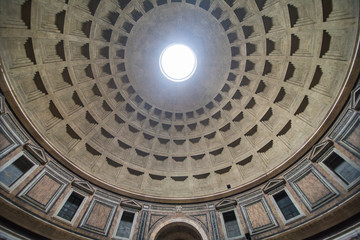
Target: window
{"points": [[231, 225], [342, 169], [14, 170], [285, 205], [125, 227], [288, 209], [71, 206]]}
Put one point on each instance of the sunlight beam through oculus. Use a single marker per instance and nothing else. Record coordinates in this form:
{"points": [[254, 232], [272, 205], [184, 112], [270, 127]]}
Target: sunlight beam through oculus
{"points": [[178, 62]]}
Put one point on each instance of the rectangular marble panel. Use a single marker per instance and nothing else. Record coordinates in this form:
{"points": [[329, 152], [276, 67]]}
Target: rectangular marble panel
{"points": [[313, 188], [347, 132], [4, 141], [309, 184], [257, 213], [351, 137], [44, 189], [100, 213], [8, 141]]}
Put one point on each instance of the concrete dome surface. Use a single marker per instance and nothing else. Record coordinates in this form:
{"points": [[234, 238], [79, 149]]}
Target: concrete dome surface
{"points": [[273, 80]]}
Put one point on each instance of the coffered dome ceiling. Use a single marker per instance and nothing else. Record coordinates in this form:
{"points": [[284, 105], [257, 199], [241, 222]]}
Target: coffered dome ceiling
{"points": [[84, 77]]}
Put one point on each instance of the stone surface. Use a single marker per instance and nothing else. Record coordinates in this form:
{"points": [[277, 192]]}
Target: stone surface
{"points": [[86, 74]]}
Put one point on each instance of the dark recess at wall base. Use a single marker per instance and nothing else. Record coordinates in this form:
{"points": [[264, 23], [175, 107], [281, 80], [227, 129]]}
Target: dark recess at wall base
{"points": [[10, 226]]}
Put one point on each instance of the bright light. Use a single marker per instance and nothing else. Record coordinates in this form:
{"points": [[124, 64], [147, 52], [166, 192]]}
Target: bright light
{"points": [[177, 62]]}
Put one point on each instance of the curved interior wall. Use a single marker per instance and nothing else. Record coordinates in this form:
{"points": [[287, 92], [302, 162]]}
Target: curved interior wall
{"points": [[83, 78], [321, 197]]}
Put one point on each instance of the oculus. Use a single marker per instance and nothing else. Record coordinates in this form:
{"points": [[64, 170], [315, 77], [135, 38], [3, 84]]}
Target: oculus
{"points": [[177, 62]]}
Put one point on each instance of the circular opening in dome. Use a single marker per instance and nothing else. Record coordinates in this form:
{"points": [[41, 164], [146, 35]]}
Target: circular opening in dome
{"points": [[178, 62]]}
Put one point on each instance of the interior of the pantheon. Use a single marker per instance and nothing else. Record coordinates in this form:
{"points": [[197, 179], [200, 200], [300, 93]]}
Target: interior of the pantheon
{"points": [[179, 119]]}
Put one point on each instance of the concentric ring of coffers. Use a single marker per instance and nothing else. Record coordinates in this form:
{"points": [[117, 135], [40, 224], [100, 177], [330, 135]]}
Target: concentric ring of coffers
{"points": [[84, 76]]}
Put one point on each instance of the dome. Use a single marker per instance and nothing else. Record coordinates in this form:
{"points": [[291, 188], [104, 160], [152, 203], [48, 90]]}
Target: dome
{"points": [[92, 90], [86, 80]]}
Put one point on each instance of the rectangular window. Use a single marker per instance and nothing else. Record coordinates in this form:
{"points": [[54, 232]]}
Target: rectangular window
{"points": [[125, 226], [70, 207], [285, 205], [15, 171], [231, 224], [342, 168]]}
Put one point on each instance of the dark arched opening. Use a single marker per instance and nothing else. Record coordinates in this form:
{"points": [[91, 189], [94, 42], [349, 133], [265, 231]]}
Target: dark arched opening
{"points": [[178, 231]]}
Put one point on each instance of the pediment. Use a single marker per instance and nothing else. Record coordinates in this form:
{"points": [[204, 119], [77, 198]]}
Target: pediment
{"points": [[225, 203], [37, 152], [83, 185], [131, 204], [273, 184], [319, 149]]}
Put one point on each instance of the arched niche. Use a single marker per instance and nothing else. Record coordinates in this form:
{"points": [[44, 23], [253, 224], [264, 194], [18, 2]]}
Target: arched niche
{"points": [[178, 229]]}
